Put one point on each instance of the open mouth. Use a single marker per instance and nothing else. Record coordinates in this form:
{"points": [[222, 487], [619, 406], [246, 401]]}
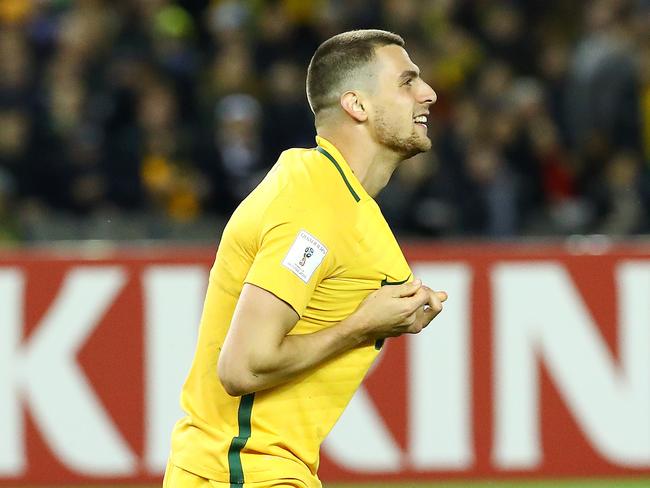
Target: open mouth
{"points": [[421, 120]]}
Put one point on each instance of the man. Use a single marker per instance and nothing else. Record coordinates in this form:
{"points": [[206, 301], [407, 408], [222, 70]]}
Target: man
{"points": [[296, 309]]}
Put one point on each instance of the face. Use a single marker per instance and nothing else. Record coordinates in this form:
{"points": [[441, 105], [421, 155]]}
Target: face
{"points": [[398, 108]]}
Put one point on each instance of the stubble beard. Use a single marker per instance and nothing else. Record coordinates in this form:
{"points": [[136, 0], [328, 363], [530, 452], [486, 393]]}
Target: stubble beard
{"points": [[406, 147]]}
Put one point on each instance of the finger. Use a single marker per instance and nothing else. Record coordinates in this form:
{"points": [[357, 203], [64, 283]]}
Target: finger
{"points": [[407, 289], [416, 301], [427, 306], [417, 327], [410, 320], [442, 295], [434, 305]]}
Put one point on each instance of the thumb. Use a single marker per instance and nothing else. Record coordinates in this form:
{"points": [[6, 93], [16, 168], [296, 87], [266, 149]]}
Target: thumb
{"points": [[408, 289], [442, 295]]}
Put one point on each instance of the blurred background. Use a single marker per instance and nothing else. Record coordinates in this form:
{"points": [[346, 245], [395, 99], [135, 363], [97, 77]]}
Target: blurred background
{"points": [[129, 121], [141, 119]]}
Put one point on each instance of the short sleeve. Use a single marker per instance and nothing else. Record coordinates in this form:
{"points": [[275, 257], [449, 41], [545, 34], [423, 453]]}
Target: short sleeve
{"points": [[292, 258]]}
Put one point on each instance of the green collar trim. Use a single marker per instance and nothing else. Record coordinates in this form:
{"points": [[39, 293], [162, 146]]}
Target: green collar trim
{"points": [[340, 170]]}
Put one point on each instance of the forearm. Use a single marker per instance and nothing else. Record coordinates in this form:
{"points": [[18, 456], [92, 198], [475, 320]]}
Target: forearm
{"points": [[259, 352], [277, 363], [298, 353]]}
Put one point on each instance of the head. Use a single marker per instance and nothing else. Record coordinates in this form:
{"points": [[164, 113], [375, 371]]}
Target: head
{"points": [[366, 78]]}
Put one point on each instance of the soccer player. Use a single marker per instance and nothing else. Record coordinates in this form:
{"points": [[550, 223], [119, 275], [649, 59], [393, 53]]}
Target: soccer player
{"points": [[296, 308]]}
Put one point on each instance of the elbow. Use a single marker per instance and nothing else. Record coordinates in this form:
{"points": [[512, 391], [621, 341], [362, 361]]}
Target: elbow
{"points": [[234, 381], [234, 388]]}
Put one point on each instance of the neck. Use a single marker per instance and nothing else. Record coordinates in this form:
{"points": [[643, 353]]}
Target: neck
{"points": [[372, 164]]}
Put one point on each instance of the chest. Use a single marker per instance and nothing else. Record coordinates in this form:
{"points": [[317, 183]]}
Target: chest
{"points": [[368, 257]]}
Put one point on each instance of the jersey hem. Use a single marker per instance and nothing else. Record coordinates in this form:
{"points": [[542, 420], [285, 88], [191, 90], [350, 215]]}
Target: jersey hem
{"points": [[249, 477]]}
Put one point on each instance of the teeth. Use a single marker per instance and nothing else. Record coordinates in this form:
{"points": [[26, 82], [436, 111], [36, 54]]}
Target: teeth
{"points": [[421, 119]]}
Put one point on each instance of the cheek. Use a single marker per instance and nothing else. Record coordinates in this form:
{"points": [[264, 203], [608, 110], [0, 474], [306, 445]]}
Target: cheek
{"points": [[401, 111], [401, 120]]}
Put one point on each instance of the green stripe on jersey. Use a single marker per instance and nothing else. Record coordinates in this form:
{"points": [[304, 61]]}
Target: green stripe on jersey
{"points": [[238, 442]]}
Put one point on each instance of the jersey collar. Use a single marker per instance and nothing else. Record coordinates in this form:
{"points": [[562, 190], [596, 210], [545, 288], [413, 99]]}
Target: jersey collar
{"points": [[328, 150]]}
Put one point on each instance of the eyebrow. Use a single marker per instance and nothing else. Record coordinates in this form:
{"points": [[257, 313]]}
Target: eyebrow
{"points": [[409, 73]]}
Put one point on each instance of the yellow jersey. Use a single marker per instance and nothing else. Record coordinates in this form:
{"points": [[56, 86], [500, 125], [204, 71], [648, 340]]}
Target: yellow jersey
{"points": [[312, 236]]}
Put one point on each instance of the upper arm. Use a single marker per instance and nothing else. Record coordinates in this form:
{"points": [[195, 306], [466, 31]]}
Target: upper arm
{"points": [[294, 249], [259, 324], [293, 254]]}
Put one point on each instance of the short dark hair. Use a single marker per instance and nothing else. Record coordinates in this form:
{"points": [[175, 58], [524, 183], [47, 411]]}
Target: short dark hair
{"points": [[339, 57]]}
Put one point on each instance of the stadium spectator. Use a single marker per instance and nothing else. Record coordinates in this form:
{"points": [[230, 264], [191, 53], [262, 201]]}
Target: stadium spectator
{"points": [[553, 92]]}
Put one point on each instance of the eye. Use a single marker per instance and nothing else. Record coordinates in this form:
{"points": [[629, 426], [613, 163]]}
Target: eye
{"points": [[409, 82]]}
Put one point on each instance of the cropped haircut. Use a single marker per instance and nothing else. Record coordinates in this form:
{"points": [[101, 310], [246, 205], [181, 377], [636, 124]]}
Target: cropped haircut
{"points": [[339, 59]]}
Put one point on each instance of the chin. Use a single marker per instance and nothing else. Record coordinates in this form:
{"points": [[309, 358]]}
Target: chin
{"points": [[425, 144], [406, 147], [415, 147]]}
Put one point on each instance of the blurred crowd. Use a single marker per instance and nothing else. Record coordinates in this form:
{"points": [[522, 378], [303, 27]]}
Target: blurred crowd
{"points": [[178, 108]]}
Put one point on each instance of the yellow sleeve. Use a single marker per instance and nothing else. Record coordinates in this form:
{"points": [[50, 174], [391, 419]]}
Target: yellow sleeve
{"points": [[294, 255]]}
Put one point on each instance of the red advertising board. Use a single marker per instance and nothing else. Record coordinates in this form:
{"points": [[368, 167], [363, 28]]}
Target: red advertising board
{"points": [[539, 367]]}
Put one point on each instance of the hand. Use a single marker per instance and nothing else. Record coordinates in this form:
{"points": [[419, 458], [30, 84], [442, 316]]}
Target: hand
{"points": [[430, 310], [401, 309]]}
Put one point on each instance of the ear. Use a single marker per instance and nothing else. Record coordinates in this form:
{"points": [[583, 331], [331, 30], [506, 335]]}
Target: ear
{"points": [[352, 104]]}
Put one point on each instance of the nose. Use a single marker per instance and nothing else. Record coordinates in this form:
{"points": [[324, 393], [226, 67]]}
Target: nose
{"points": [[429, 96]]}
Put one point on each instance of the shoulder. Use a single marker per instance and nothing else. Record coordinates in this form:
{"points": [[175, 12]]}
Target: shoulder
{"points": [[307, 184], [303, 191]]}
